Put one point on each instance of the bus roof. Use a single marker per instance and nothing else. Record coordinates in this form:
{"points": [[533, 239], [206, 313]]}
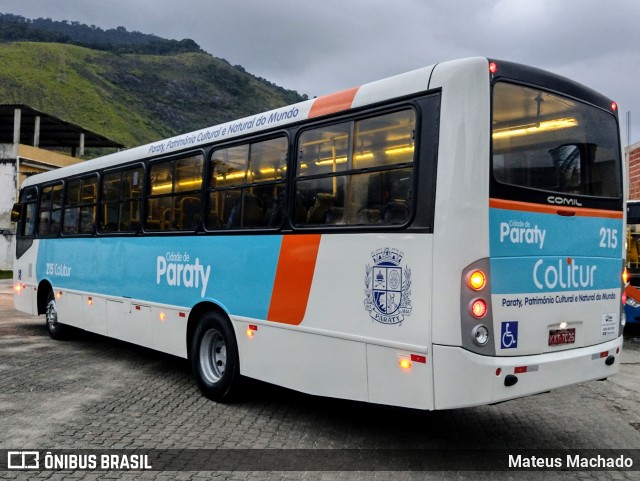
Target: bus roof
{"points": [[393, 87], [398, 86]]}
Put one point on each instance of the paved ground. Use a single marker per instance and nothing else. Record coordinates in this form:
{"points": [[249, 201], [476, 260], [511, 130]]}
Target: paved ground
{"points": [[90, 392]]}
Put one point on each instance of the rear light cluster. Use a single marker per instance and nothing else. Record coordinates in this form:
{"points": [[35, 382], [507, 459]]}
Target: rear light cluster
{"points": [[477, 281], [477, 324]]}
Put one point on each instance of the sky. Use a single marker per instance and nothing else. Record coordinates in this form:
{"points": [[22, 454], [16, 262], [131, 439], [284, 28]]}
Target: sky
{"points": [[321, 46]]}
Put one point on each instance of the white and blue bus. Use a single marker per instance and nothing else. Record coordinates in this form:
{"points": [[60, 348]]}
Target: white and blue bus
{"points": [[448, 237]]}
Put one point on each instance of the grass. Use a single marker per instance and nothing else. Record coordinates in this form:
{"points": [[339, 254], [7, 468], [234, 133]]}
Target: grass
{"points": [[133, 99], [6, 274]]}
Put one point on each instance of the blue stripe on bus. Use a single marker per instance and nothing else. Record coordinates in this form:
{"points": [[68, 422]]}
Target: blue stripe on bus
{"points": [[519, 233], [514, 275], [236, 271], [535, 252]]}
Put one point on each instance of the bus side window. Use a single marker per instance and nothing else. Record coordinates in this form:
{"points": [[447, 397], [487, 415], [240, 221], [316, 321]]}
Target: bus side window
{"points": [[359, 172], [246, 189], [121, 200], [50, 210], [173, 200], [80, 206], [29, 220]]}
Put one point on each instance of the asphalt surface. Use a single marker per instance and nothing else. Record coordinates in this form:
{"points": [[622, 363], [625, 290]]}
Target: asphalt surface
{"points": [[91, 392]]}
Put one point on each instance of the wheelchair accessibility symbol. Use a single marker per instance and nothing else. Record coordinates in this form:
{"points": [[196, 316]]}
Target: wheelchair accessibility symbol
{"points": [[509, 335]]}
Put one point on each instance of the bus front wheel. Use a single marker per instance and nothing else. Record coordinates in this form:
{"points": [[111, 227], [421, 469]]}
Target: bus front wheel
{"points": [[214, 357], [55, 329]]}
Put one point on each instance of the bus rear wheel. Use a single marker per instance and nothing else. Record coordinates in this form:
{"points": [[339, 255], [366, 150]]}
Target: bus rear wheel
{"points": [[214, 357], [54, 327]]}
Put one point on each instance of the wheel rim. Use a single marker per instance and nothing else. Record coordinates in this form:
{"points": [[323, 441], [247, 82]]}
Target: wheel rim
{"points": [[52, 315], [213, 356]]}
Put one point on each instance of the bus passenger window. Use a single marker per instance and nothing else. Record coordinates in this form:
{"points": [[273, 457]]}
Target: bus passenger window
{"points": [[121, 200], [357, 173], [29, 221], [173, 201], [50, 210], [80, 206], [246, 189]]}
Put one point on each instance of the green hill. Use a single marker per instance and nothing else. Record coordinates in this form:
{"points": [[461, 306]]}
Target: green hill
{"points": [[132, 98]]}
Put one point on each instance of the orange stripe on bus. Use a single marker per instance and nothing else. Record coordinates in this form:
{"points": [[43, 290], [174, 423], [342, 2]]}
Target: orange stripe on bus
{"points": [[553, 209], [294, 274], [332, 103]]}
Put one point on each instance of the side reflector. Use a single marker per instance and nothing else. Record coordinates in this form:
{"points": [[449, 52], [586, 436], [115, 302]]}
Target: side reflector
{"points": [[419, 358]]}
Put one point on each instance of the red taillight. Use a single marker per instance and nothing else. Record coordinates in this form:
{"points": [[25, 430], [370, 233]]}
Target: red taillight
{"points": [[623, 298], [614, 106], [479, 308], [493, 67]]}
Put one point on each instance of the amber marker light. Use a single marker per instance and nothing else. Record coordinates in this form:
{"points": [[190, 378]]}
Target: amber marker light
{"points": [[625, 275], [477, 280], [405, 363], [17, 288], [163, 316]]}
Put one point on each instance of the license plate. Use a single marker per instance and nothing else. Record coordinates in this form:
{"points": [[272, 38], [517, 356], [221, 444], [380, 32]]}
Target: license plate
{"points": [[558, 337]]}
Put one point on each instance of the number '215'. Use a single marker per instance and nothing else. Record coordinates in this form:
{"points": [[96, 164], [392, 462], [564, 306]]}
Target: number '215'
{"points": [[608, 238]]}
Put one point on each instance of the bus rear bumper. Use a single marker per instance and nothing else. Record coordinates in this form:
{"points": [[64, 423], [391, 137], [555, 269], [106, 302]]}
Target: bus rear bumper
{"points": [[463, 379]]}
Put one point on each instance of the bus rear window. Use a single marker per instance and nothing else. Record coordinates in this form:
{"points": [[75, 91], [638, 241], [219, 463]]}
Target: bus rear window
{"points": [[552, 143]]}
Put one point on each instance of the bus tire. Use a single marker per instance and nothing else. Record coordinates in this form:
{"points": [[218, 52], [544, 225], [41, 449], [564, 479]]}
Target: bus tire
{"points": [[214, 357], [54, 327]]}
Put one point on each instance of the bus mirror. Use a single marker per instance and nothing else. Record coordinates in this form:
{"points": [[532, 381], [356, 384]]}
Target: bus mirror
{"points": [[16, 210]]}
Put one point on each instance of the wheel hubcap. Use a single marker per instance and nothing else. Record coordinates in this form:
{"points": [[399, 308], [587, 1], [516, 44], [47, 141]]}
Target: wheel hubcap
{"points": [[213, 355], [52, 315]]}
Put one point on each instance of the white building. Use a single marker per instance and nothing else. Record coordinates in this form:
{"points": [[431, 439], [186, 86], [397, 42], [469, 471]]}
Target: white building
{"points": [[33, 142]]}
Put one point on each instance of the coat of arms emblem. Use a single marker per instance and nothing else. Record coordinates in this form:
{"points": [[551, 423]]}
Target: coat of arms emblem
{"points": [[387, 287]]}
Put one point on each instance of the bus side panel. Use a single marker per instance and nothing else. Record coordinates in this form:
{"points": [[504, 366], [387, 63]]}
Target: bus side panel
{"points": [[310, 363], [461, 227], [368, 290]]}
